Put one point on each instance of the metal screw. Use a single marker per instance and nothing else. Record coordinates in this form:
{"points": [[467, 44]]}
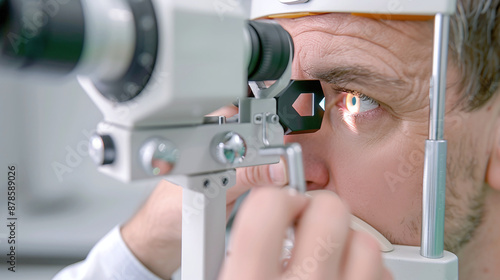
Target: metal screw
{"points": [[225, 181], [206, 183], [258, 118], [273, 118]]}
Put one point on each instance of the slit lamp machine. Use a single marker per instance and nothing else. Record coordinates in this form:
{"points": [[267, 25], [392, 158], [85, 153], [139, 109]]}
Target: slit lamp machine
{"points": [[156, 68]]}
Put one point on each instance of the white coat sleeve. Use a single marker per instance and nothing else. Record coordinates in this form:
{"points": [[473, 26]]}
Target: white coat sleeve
{"points": [[109, 259]]}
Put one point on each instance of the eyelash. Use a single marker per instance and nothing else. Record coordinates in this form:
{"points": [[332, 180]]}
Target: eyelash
{"points": [[362, 96]]}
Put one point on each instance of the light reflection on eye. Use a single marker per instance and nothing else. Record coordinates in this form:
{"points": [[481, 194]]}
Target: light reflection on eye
{"points": [[354, 105], [357, 103]]}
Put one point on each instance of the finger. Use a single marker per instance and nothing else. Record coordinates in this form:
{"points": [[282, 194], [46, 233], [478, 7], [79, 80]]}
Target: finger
{"points": [[387, 275], [227, 111], [363, 251], [320, 236], [259, 230], [229, 209], [257, 176], [263, 175]]}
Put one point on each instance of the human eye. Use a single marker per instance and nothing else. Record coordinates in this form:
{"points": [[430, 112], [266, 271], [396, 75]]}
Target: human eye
{"points": [[356, 103], [357, 109]]}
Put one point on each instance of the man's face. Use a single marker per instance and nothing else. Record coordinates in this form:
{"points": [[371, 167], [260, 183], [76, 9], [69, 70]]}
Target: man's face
{"points": [[370, 148]]}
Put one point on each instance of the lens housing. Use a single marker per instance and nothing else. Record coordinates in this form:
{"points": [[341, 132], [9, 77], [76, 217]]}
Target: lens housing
{"points": [[41, 35], [272, 47]]}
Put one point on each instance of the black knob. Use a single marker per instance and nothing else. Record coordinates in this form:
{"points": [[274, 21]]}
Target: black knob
{"points": [[102, 149]]}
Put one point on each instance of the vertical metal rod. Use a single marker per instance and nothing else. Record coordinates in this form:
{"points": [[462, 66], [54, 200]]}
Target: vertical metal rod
{"points": [[438, 80], [433, 200]]}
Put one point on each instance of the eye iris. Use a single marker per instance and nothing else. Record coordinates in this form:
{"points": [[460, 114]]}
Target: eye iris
{"points": [[352, 104]]}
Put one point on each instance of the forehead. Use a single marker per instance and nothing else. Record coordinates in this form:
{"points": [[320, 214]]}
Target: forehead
{"points": [[371, 28], [324, 36]]}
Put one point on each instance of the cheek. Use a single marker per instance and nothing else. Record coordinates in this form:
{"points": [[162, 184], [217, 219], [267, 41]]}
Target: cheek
{"points": [[382, 185]]}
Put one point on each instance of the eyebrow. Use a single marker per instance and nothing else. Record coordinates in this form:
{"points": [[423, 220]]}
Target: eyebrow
{"points": [[343, 75]]}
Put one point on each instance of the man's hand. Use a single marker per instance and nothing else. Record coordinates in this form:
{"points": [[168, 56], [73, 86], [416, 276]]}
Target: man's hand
{"points": [[325, 247]]}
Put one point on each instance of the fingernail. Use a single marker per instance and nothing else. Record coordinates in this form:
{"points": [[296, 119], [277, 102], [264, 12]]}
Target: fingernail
{"points": [[278, 173]]}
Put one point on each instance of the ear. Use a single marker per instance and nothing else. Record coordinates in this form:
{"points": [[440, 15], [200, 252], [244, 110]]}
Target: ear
{"points": [[493, 169]]}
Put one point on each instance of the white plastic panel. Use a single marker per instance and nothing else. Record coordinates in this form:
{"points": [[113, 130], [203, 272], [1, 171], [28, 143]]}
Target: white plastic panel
{"points": [[264, 8], [406, 263]]}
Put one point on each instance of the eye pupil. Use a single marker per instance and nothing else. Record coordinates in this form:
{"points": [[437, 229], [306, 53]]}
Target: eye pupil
{"points": [[353, 101]]}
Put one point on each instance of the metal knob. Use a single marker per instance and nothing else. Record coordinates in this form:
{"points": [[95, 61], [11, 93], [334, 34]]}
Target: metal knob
{"points": [[229, 148], [158, 156], [102, 149]]}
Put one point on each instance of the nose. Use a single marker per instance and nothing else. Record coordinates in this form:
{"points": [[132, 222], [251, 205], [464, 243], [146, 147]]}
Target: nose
{"points": [[315, 158]]}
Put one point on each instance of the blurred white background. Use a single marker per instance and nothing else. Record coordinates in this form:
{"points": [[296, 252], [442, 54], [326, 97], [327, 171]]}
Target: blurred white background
{"points": [[63, 205]]}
